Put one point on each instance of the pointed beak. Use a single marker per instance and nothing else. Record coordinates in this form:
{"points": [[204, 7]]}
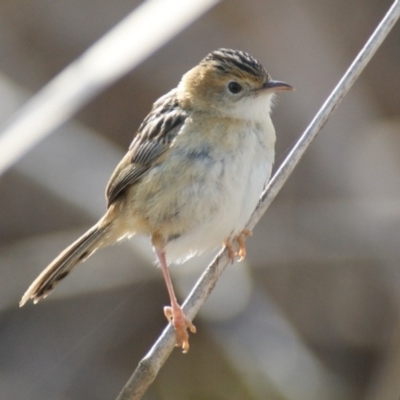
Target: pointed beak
{"points": [[277, 86]]}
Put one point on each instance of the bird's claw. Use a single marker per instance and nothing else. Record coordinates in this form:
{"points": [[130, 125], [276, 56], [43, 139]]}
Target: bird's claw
{"points": [[181, 324], [240, 240]]}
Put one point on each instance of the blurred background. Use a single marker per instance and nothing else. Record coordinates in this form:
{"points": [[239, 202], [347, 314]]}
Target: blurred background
{"points": [[313, 312]]}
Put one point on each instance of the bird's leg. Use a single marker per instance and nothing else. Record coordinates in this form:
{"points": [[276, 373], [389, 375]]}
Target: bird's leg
{"points": [[174, 313], [240, 239]]}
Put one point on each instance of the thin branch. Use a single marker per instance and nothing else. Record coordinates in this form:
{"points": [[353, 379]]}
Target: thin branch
{"points": [[150, 365], [135, 38]]}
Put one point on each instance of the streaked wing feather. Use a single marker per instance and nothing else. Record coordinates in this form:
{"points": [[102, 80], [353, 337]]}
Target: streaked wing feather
{"points": [[153, 138], [127, 176], [147, 151]]}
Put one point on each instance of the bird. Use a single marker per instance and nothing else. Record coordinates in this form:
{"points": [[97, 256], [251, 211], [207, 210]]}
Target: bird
{"points": [[192, 175]]}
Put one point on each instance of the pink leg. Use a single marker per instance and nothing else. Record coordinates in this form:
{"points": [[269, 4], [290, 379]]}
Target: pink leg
{"points": [[175, 313]]}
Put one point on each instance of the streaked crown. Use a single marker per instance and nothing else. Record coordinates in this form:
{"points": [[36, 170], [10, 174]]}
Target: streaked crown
{"points": [[237, 63]]}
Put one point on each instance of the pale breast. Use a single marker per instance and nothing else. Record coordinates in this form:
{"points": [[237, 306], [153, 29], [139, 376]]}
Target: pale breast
{"points": [[222, 191]]}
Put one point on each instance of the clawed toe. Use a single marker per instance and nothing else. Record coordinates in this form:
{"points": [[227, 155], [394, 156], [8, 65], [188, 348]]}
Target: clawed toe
{"points": [[240, 240], [181, 324]]}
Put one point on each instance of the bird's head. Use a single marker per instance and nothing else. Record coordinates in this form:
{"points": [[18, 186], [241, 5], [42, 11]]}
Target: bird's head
{"points": [[230, 82]]}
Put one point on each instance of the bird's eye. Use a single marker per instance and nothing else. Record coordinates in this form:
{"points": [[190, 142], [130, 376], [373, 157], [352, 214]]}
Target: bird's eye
{"points": [[234, 87]]}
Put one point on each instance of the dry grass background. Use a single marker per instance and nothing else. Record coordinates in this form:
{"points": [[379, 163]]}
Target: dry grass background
{"points": [[312, 314]]}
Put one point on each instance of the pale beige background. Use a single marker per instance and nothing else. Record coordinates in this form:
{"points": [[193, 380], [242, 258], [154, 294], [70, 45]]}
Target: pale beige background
{"points": [[315, 311]]}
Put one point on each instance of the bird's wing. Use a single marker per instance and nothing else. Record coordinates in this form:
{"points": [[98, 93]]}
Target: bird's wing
{"points": [[152, 139]]}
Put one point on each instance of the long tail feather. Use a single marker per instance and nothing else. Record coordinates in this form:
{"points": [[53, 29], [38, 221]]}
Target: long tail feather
{"points": [[81, 249]]}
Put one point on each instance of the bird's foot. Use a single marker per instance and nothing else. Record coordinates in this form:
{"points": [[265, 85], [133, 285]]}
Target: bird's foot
{"points": [[238, 241], [241, 239], [181, 324]]}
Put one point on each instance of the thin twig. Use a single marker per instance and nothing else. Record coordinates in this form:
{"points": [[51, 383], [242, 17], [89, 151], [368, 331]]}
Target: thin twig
{"points": [[150, 365]]}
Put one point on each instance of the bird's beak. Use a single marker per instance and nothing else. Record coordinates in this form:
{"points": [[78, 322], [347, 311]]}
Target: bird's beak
{"points": [[276, 86]]}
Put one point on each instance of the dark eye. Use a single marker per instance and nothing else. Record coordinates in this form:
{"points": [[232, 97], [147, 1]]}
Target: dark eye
{"points": [[234, 87]]}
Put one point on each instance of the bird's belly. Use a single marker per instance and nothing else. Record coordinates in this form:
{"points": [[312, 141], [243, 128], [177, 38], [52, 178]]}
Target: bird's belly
{"points": [[219, 205], [226, 221]]}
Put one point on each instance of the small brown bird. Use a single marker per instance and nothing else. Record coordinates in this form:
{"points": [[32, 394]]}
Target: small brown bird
{"points": [[192, 176]]}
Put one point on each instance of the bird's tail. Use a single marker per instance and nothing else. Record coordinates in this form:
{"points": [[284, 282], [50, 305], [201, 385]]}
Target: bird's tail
{"points": [[77, 252]]}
